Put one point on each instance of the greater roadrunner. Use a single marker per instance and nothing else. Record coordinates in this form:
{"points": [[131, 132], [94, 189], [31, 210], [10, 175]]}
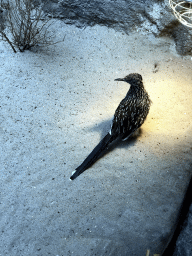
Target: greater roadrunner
{"points": [[129, 116]]}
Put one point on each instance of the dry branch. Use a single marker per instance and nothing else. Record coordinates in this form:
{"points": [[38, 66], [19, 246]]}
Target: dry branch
{"points": [[25, 24]]}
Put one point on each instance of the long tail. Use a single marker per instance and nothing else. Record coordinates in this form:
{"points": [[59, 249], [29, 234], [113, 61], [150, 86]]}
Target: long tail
{"points": [[93, 156]]}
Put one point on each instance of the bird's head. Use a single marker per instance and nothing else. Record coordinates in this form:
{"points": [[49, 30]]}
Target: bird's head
{"points": [[133, 78]]}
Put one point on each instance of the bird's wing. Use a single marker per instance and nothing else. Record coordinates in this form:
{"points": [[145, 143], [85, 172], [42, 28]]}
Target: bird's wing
{"points": [[125, 120]]}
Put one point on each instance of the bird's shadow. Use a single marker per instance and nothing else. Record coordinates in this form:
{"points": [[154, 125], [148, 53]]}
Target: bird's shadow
{"points": [[104, 127]]}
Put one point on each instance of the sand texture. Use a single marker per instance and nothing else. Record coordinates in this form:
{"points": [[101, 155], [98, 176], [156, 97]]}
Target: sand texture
{"points": [[56, 103]]}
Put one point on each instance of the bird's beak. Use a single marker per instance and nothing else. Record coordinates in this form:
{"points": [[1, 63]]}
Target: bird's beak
{"points": [[119, 79]]}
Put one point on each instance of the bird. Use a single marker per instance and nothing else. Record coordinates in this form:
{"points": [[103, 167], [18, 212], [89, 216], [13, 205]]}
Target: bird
{"points": [[129, 116]]}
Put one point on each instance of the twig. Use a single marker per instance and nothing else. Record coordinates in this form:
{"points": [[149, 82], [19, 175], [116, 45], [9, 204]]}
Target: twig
{"points": [[7, 39], [27, 25]]}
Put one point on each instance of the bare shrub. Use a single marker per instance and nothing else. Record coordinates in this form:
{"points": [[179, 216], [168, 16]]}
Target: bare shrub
{"points": [[25, 24]]}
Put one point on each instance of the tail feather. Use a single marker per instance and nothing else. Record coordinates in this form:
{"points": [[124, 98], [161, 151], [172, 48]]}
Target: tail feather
{"points": [[93, 156]]}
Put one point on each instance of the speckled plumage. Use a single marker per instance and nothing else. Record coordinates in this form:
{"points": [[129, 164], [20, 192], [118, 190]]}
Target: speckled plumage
{"points": [[129, 116], [133, 109]]}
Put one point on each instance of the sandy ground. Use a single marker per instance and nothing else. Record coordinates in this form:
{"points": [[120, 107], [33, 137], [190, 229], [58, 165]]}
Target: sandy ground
{"points": [[55, 105]]}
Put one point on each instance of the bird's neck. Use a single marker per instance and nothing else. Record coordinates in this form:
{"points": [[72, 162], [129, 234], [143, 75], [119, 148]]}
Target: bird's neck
{"points": [[136, 89]]}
